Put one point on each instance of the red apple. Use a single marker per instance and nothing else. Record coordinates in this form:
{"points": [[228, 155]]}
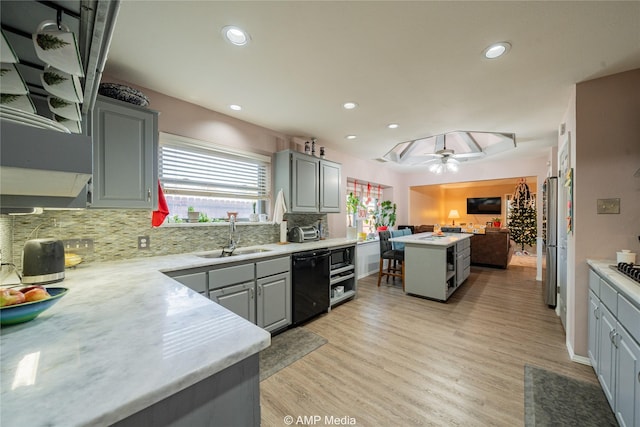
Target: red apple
{"points": [[11, 297], [36, 294]]}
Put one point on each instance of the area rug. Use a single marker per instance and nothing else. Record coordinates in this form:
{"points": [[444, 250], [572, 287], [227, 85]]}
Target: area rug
{"points": [[286, 348], [552, 399]]}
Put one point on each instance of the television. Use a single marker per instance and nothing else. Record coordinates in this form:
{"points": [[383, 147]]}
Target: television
{"points": [[484, 205]]}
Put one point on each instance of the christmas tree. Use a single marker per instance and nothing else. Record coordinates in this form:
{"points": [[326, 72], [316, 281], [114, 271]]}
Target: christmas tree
{"points": [[522, 220]]}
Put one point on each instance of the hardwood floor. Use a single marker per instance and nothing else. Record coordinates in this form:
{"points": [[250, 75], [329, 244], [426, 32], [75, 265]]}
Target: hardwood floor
{"points": [[397, 360]]}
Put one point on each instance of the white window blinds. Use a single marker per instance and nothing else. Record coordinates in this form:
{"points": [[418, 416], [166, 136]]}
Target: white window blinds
{"points": [[188, 169]]}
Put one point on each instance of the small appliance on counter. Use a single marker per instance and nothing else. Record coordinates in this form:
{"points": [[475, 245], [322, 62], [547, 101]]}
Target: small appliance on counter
{"points": [[626, 256], [304, 234], [43, 261]]}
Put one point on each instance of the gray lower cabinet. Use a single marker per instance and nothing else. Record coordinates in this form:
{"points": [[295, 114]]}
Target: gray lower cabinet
{"points": [[194, 281], [239, 299], [257, 291], [125, 152], [273, 285], [614, 348], [273, 304]]}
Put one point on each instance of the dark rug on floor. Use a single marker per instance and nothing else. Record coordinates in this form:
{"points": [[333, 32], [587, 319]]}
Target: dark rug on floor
{"points": [[286, 348], [552, 399]]}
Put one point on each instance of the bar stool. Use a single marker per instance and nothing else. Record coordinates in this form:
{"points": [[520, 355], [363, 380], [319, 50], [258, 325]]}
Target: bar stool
{"points": [[392, 256]]}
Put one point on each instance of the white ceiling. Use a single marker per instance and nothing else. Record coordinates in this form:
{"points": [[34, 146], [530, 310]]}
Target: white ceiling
{"points": [[418, 64]]}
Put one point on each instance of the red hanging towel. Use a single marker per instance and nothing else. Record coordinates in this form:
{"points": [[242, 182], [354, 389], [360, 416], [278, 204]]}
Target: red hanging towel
{"points": [[163, 210]]}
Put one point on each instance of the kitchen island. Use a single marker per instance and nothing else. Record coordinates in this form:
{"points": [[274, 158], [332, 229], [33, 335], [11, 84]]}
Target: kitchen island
{"points": [[129, 345], [435, 265]]}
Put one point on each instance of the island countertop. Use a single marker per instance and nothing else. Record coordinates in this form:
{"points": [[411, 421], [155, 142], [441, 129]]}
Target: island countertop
{"points": [[431, 239], [123, 338]]}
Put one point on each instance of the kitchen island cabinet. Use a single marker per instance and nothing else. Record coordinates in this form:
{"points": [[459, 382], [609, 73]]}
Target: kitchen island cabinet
{"points": [[125, 155], [435, 266]]}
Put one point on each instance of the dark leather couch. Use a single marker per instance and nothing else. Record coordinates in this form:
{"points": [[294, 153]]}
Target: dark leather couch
{"points": [[493, 249]]}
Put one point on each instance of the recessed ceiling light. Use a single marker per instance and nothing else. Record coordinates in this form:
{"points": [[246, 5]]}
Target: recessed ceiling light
{"points": [[392, 125], [349, 105], [235, 107], [496, 50], [350, 137], [235, 35]]}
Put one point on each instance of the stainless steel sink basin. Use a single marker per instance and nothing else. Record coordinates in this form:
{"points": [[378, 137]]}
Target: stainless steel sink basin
{"points": [[221, 254], [250, 251]]}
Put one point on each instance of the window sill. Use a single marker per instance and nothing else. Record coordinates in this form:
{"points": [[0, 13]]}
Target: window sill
{"points": [[212, 224]]}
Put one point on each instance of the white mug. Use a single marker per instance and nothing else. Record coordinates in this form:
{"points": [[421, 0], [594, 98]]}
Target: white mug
{"points": [[58, 47], [61, 84], [263, 217]]}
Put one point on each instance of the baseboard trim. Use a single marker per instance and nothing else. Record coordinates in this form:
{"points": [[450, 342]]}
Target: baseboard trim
{"points": [[577, 358]]}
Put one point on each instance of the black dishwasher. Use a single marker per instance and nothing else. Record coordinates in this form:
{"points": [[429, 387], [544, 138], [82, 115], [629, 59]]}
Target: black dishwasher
{"points": [[310, 284]]}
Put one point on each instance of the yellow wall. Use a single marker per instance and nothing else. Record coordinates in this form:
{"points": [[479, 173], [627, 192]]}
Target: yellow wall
{"points": [[430, 204]]}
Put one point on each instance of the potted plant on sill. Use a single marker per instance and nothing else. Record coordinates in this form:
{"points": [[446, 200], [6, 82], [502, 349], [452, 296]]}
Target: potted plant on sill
{"points": [[192, 214], [386, 216], [254, 216], [497, 221]]}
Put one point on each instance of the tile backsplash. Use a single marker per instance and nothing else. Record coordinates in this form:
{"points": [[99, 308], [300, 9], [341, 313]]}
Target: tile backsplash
{"points": [[114, 233]]}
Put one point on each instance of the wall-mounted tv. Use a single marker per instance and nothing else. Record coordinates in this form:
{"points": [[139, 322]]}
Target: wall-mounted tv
{"points": [[484, 205]]}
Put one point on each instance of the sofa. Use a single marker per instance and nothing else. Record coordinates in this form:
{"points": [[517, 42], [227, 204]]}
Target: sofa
{"points": [[493, 249]]}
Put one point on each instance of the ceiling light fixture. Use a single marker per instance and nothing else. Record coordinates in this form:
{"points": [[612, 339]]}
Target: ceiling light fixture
{"points": [[350, 137], [392, 125], [496, 50], [446, 164], [349, 105], [235, 107], [235, 35]]}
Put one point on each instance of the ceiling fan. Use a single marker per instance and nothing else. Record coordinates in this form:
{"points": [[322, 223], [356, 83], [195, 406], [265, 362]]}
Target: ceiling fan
{"points": [[446, 159], [450, 148]]}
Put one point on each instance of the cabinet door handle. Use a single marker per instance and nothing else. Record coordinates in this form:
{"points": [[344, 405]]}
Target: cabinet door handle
{"points": [[251, 293], [259, 290], [148, 194], [595, 313]]}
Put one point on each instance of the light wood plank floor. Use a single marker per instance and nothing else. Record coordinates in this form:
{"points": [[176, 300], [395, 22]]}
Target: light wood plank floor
{"points": [[396, 360]]}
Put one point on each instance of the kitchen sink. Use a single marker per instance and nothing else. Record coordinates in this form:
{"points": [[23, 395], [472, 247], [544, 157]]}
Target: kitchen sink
{"points": [[221, 254]]}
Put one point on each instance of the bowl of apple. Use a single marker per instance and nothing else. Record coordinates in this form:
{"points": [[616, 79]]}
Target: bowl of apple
{"points": [[23, 305]]}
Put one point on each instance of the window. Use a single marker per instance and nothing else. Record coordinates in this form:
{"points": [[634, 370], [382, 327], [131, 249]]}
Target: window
{"points": [[213, 180]]}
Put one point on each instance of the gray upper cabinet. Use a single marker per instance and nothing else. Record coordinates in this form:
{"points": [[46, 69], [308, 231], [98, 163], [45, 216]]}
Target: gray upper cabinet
{"points": [[125, 148], [329, 186], [310, 184]]}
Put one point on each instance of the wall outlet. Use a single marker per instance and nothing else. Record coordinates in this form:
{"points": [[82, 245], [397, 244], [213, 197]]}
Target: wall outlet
{"points": [[143, 242]]}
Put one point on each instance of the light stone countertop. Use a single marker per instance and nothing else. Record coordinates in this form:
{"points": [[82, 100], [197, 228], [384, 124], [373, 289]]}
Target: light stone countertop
{"points": [[123, 338], [431, 239], [625, 285]]}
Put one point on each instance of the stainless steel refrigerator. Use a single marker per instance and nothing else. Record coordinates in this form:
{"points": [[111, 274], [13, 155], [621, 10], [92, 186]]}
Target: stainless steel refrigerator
{"points": [[550, 214]]}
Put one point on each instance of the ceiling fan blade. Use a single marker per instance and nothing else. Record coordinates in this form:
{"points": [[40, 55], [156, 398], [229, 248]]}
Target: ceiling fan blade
{"points": [[473, 155]]}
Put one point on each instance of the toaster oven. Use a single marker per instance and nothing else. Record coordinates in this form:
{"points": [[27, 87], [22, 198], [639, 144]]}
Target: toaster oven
{"points": [[304, 234]]}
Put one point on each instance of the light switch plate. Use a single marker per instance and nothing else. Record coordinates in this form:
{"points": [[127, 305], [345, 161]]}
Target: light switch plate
{"points": [[608, 206]]}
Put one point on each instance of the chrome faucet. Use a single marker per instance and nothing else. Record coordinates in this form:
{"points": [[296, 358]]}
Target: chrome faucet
{"points": [[231, 246]]}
